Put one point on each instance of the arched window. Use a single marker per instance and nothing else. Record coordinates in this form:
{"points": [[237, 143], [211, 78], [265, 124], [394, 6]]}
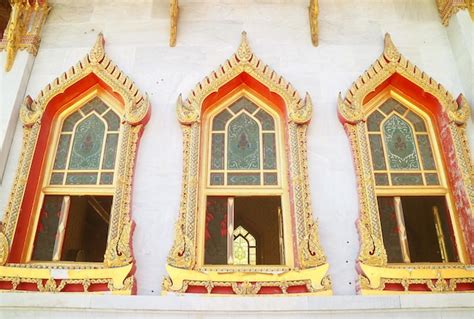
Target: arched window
{"points": [[413, 171], [245, 211], [67, 226]]}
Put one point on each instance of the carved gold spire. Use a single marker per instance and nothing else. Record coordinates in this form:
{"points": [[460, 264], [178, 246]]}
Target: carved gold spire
{"points": [[390, 51], [244, 53], [174, 13], [313, 21], [97, 53]]}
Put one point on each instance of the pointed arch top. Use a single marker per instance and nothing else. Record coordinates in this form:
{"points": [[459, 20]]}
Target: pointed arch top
{"points": [[351, 107], [244, 61], [96, 62]]}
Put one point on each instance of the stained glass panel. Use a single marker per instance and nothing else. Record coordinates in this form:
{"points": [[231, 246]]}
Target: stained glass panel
{"points": [[96, 104], [113, 120], [381, 179], [56, 179], [376, 149], [417, 121], [106, 178], [432, 179], [87, 144], [220, 120], [407, 179], [216, 231], [269, 151], [392, 105], [81, 179], [241, 251], [217, 151], [70, 121], [62, 151], [243, 103], [374, 120], [400, 144], [243, 179], [243, 144], [110, 151], [47, 228], [266, 120], [270, 178], [217, 178], [426, 152]]}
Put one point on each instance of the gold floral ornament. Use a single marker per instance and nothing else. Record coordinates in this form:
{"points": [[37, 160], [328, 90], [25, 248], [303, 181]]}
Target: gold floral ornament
{"points": [[23, 31], [184, 265], [390, 71], [115, 272]]}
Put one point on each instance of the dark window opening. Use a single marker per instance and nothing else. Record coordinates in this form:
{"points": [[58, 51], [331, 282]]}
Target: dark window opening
{"points": [[72, 228], [5, 10], [256, 225], [417, 229]]}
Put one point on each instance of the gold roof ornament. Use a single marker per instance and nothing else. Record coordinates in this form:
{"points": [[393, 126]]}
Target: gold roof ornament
{"points": [[448, 8]]}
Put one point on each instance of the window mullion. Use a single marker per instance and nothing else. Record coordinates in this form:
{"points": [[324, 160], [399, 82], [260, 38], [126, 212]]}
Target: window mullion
{"points": [[230, 230], [63, 217]]}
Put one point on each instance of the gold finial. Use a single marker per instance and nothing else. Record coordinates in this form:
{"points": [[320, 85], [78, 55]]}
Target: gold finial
{"points": [[244, 53], [97, 52], [187, 114], [390, 51]]}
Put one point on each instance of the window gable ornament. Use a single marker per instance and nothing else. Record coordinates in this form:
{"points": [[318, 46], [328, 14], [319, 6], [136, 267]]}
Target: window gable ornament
{"points": [[393, 72], [115, 273], [182, 266]]}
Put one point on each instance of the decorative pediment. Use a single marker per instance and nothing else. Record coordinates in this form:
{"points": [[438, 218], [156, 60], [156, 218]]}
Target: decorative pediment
{"points": [[244, 60]]}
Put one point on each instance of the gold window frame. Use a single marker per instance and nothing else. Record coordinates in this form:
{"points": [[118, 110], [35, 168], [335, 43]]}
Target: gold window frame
{"points": [[116, 272], [186, 255], [375, 273]]}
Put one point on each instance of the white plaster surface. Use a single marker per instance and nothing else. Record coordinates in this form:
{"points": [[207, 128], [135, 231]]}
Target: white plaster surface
{"points": [[351, 38]]}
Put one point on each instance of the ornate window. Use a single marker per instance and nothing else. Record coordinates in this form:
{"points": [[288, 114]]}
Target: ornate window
{"points": [[414, 173], [244, 208], [67, 226]]}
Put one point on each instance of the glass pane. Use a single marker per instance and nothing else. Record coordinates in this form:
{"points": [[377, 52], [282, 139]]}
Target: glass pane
{"points": [[216, 231], [110, 151], [400, 144], [241, 251], [388, 221], [432, 179], [266, 120], [56, 179], [381, 179], [426, 153], [220, 120], [407, 179], [107, 178], [243, 179], [87, 144], [217, 178], [245, 104], [270, 178], [374, 120], [269, 152], [243, 144], [47, 228], [81, 179], [113, 120], [416, 121], [391, 105], [96, 104], [376, 149], [62, 151], [217, 151], [70, 121]]}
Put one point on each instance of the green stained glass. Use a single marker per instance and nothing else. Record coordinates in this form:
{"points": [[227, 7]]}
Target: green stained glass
{"points": [[81, 179], [243, 144], [110, 151], [432, 179], [113, 120], [56, 179], [417, 122], [269, 152], [87, 144], [106, 178], [426, 152], [400, 144], [217, 151], [381, 179], [392, 105], [407, 179], [220, 120], [243, 179], [243, 103], [70, 121], [217, 178], [376, 149], [96, 104], [47, 228], [374, 120], [270, 178], [266, 120], [62, 151]]}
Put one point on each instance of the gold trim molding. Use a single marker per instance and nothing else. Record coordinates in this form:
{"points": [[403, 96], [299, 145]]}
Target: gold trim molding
{"points": [[117, 266], [23, 31], [448, 8], [310, 259], [352, 112]]}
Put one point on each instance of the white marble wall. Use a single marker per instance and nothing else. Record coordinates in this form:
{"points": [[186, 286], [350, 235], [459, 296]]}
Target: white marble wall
{"points": [[136, 32]]}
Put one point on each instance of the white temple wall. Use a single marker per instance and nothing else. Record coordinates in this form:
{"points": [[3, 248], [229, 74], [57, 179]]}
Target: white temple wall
{"points": [[136, 34]]}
